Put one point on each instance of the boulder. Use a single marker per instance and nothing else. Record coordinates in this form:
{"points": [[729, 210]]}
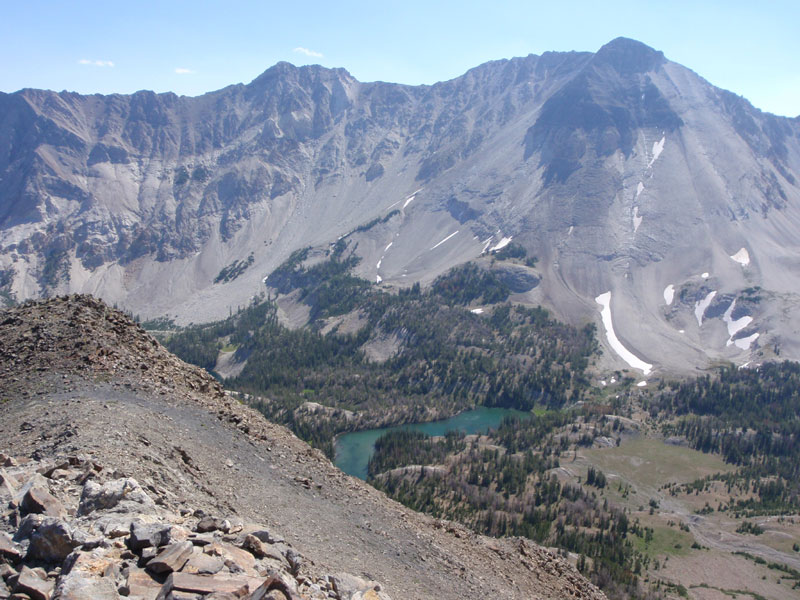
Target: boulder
{"points": [[267, 537], [52, 541], [27, 526], [234, 558], [34, 585], [201, 584], [208, 524], [146, 535], [141, 584], [200, 563], [8, 485], [172, 558], [270, 584], [40, 501], [8, 548], [120, 495], [85, 586]]}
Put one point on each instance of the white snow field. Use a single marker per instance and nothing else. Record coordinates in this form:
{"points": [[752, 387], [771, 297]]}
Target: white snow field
{"points": [[700, 307], [658, 148], [445, 239], [637, 220], [736, 326], [501, 244], [669, 294], [742, 257], [629, 357]]}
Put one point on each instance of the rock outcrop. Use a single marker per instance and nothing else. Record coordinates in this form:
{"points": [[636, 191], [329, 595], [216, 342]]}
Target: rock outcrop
{"points": [[620, 170]]}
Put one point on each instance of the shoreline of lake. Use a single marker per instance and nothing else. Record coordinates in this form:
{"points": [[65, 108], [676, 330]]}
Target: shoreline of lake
{"points": [[352, 451]]}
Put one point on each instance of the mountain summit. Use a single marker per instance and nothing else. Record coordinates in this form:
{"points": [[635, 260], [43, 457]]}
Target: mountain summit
{"points": [[624, 173]]}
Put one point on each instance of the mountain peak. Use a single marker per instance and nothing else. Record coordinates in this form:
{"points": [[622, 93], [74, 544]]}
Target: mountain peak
{"points": [[629, 56]]}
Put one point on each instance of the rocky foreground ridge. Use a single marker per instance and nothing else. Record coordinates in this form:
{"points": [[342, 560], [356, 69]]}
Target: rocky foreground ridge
{"points": [[126, 472]]}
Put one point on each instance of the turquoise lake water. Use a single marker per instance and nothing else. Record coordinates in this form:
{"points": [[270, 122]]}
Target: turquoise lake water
{"points": [[353, 450]]}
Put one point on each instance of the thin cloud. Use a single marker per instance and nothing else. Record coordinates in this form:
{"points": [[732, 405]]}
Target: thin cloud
{"points": [[95, 63], [307, 52], [182, 71]]}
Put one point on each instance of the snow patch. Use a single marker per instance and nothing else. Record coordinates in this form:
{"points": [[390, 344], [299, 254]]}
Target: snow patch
{"points": [[705, 275], [477, 311], [501, 244], [603, 382], [634, 361], [378, 279], [744, 343], [658, 148], [411, 197], [378, 266], [445, 239], [742, 257], [669, 294], [486, 243], [389, 246], [639, 189], [700, 307], [637, 220], [642, 383], [736, 326], [571, 227]]}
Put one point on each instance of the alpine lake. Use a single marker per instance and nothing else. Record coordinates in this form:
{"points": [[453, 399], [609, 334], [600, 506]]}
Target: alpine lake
{"points": [[353, 450]]}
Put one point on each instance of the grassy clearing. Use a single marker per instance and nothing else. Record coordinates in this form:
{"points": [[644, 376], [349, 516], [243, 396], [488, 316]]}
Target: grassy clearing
{"points": [[652, 463], [669, 541]]}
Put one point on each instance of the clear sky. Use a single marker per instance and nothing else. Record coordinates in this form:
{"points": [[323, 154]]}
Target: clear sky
{"points": [[191, 47]]}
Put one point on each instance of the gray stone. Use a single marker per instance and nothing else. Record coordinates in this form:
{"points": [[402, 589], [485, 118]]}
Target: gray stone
{"points": [[145, 535], [31, 583], [8, 549], [267, 537], [208, 524], [27, 526], [35, 481], [6, 571], [81, 586], [8, 485], [203, 564], [52, 541], [120, 495], [254, 546], [172, 558], [41, 501]]}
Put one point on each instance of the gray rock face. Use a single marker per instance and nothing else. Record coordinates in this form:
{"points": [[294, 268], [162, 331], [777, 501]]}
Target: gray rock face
{"points": [[120, 495], [620, 170]]}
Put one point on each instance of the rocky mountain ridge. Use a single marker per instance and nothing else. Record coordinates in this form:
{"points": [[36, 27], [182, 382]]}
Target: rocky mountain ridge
{"points": [[623, 172], [126, 445]]}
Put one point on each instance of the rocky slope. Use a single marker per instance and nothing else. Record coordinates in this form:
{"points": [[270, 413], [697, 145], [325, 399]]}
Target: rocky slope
{"points": [[625, 173], [122, 463]]}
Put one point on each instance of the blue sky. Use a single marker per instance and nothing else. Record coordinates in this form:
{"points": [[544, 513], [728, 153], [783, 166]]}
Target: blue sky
{"points": [[750, 48]]}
